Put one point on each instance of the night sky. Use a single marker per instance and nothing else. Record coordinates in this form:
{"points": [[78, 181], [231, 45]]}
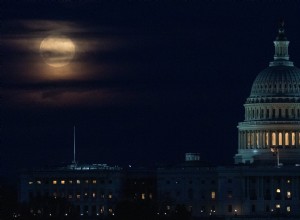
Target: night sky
{"points": [[149, 81]]}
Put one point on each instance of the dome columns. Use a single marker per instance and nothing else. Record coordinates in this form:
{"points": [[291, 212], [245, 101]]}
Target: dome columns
{"points": [[281, 50]]}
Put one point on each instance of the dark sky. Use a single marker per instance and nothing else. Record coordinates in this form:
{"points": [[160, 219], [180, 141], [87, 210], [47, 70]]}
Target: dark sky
{"points": [[150, 80]]}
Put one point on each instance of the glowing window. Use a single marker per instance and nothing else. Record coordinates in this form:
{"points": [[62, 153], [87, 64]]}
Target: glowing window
{"points": [[273, 138], [102, 209], [267, 139], [288, 208], [277, 206], [293, 139], [286, 138], [248, 139], [78, 181], [143, 196], [213, 194], [279, 138], [54, 182], [70, 196], [110, 195], [168, 207], [110, 210], [30, 182], [257, 139], [252, 139], [288, 181], [62, 181], [78, 196], [86, 181], [150, 196], [278, 190], [39, 182], [70, 181], [288, 194], [94, 195], [94, 181]]}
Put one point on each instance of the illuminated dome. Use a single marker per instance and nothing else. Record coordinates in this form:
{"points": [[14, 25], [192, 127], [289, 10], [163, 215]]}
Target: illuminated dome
{"points": [[272, 112], [277, 81]]}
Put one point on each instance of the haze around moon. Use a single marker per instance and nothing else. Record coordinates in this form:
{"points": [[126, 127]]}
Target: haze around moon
{"points": [[57, 51]]}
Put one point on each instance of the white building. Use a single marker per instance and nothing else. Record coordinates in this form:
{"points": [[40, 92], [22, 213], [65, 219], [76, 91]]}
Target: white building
{"points": [[266, 178]]}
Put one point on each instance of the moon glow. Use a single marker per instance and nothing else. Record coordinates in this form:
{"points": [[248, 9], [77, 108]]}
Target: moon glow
{"points": [[57, 51]]}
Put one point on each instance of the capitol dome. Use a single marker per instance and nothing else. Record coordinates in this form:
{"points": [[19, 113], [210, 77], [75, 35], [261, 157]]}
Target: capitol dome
{"points": [[272, 112], [277, 81]]}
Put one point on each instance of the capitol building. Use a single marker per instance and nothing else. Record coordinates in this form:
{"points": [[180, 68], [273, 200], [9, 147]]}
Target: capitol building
{"points": [[263, 182]]}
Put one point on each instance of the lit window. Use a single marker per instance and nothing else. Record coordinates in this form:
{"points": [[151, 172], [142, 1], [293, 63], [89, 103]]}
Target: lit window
{"points": [[293, 138], [288, 181], [168, 207], [110, 196], [54, 182], [273, 138], [94, 195], [30, 182], [94, 181], [286, 138], [279, 138], [86, 181], [70, 181], [288, 208], [78, 196], [70, 196], [78, 181], [267, 139], [277, 206], [213, 194], [110, 210], [62, 182], [143, 196], [150, 196], [278, 190], [288, 194], [39, 182]]}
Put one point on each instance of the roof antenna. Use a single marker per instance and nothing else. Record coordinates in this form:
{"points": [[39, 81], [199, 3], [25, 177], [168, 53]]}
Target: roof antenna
{"points": [[74, 149]]}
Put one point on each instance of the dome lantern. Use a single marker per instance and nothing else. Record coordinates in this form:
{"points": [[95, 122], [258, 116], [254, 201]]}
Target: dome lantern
{"points": [[281, 56]]}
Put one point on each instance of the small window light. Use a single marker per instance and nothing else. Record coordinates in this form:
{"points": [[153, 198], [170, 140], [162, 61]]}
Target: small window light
{"points": [[288, 194], [94, 181], [288, 208], [62, 182], [143, 196], [54, 182], [78, 181], [30, 182], [86, 181], [278, 190], [110, 196], [213, 194], [39, 182], [277, 206], [70, 181]]}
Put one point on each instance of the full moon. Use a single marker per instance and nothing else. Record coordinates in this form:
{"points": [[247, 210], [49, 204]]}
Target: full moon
{"points": [[57, 51]]}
